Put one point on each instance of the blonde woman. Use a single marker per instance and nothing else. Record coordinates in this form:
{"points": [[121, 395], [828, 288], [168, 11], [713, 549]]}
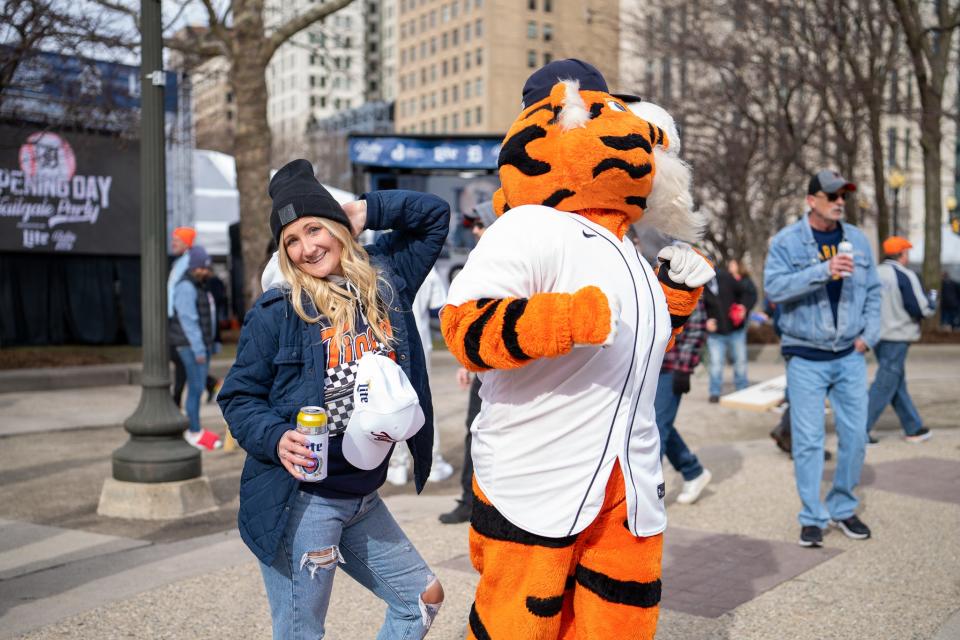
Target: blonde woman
{"points": [[299, 345]]}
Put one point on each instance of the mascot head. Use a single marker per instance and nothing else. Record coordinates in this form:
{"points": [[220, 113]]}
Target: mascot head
{"points": [[576, 147]]}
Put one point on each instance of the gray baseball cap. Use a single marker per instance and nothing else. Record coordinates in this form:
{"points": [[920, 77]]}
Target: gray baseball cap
{"points": [[829, 182]]}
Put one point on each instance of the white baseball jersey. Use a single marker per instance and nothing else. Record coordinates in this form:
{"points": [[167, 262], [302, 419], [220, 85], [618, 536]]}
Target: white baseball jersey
{"points": [[548, 433]]}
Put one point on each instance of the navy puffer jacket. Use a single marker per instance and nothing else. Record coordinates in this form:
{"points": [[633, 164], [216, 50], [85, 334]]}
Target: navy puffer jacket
{"points": [[280, 363]]}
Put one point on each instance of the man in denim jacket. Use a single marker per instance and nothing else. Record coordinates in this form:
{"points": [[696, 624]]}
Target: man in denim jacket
{"points": [[830, 317]]}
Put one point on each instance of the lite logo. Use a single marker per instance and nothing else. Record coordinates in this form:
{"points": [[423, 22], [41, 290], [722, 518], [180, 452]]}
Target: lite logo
{"points": [[316, 447], [363, 390]]}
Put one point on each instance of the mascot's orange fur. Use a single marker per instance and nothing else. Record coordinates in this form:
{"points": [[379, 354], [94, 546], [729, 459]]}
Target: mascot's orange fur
{"points": [[578, 150]]}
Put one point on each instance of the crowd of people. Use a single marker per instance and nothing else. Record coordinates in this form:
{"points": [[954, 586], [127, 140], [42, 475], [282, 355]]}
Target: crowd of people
{"points": [[543, 331]]}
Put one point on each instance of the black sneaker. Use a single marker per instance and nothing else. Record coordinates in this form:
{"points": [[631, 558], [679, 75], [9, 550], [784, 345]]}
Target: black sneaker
{"points": [[461, 513], [714, 399], [811, 536], [872, 439], [852, 527], [782, 440]]}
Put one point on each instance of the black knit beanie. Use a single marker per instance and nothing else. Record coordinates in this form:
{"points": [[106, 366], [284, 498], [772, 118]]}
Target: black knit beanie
{"points": [[296, 193]]}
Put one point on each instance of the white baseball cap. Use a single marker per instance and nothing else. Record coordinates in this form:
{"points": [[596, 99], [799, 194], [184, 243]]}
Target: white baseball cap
{"points": [[386, 410]]}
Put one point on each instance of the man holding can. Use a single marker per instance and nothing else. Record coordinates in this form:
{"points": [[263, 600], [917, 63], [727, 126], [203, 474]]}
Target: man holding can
{"points": [[821, 273]]}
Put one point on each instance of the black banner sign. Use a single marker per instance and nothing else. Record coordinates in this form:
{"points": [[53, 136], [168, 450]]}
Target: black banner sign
{"points": [[74, 193]]}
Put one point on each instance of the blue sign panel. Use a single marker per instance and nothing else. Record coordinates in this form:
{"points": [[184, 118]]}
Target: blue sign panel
{"points": [[425, 153], [57, 84]]}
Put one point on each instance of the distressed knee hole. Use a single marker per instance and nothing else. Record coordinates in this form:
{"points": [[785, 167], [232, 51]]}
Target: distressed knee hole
{"points": [[430, 601], [326, 558]]}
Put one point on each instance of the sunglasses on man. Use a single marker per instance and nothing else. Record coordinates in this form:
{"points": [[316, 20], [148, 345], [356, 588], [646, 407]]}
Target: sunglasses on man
{"points": [[833, 197]]}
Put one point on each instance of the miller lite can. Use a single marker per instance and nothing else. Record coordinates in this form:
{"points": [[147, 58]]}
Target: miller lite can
{"points": [[845, 248], [312, 422]]}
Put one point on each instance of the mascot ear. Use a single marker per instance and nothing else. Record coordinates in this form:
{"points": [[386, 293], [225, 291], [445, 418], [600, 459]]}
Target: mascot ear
{"points": [[670, 203]]}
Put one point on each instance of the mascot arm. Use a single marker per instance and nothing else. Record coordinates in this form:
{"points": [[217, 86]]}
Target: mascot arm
{"points": [[508, 333], [682, 274]]}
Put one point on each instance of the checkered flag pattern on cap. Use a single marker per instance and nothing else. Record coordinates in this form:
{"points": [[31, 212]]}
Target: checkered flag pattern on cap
{"points": [[338, 386], [338, 395]]}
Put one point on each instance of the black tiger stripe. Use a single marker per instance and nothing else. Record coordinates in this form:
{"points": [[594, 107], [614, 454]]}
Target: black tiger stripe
{"points": [[471, 341], [659, 136], [665, 279], [639, 201], [678, 321], [489, 522], [558, 196], [545, 607], [627, 142], [556, 115], [595, 109], [635, 171], [570, 583], [482, 302], [653, 131], [514, 152], [511, 340], [543, 107], [476, 625], [628, 592]]}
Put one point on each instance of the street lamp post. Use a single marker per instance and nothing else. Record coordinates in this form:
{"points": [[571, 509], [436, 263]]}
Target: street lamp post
{"points": [[156, 474], [896, 180]]}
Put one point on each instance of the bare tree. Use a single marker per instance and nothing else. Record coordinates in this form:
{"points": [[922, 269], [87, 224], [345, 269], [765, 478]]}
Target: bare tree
{"points": [[746, 112], [29, 26], [850, 52], [241, 35], [928, 30]]}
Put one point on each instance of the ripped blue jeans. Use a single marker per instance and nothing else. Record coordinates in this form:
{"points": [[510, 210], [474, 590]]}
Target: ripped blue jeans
{"points": [[361, 537]]}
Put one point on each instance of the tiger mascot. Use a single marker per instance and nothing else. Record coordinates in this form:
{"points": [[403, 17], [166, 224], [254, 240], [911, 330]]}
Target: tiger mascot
{"points": [[567, 326]]}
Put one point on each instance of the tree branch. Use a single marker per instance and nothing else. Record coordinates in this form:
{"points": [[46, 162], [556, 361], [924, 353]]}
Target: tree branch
{"points": [[297, 24]]}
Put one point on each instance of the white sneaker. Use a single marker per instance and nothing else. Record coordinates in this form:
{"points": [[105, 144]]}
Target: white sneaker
{"points": [[440, 471], [397, 475], [193, 438], [693, 488]]}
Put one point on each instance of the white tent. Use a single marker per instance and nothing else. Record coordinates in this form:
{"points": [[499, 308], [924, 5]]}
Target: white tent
{"points": [[217, 203]]}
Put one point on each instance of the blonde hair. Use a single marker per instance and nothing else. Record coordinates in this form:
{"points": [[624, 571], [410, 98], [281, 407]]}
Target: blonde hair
{"points": [[338, 303]]}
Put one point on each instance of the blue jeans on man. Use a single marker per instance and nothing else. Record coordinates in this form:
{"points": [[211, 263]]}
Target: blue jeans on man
{"points": [[672, 445], [361, 537], [718, 344], [890, 387], [196, 383], [809, 384]]}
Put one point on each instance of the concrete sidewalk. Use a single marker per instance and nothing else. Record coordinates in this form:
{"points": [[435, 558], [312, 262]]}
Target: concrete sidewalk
{"points": [[732, 568]]}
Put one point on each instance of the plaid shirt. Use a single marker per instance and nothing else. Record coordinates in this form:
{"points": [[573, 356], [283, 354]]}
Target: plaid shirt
{"points": [[685, 355]]}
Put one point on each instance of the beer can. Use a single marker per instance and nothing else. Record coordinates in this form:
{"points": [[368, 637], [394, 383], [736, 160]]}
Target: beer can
{"points": [[312, 422]]}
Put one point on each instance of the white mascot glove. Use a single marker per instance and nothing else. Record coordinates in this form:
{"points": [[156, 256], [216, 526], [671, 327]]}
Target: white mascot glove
{"points": [[686, 266]]}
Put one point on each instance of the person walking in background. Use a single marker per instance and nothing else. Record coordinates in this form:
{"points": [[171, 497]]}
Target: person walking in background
{"points": [[821, 274], [729, 298], [429, 299], [181, 240], [331, 302], [192, 331], [678, 365], [483, 218], [949, 303], [903, 305]]}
